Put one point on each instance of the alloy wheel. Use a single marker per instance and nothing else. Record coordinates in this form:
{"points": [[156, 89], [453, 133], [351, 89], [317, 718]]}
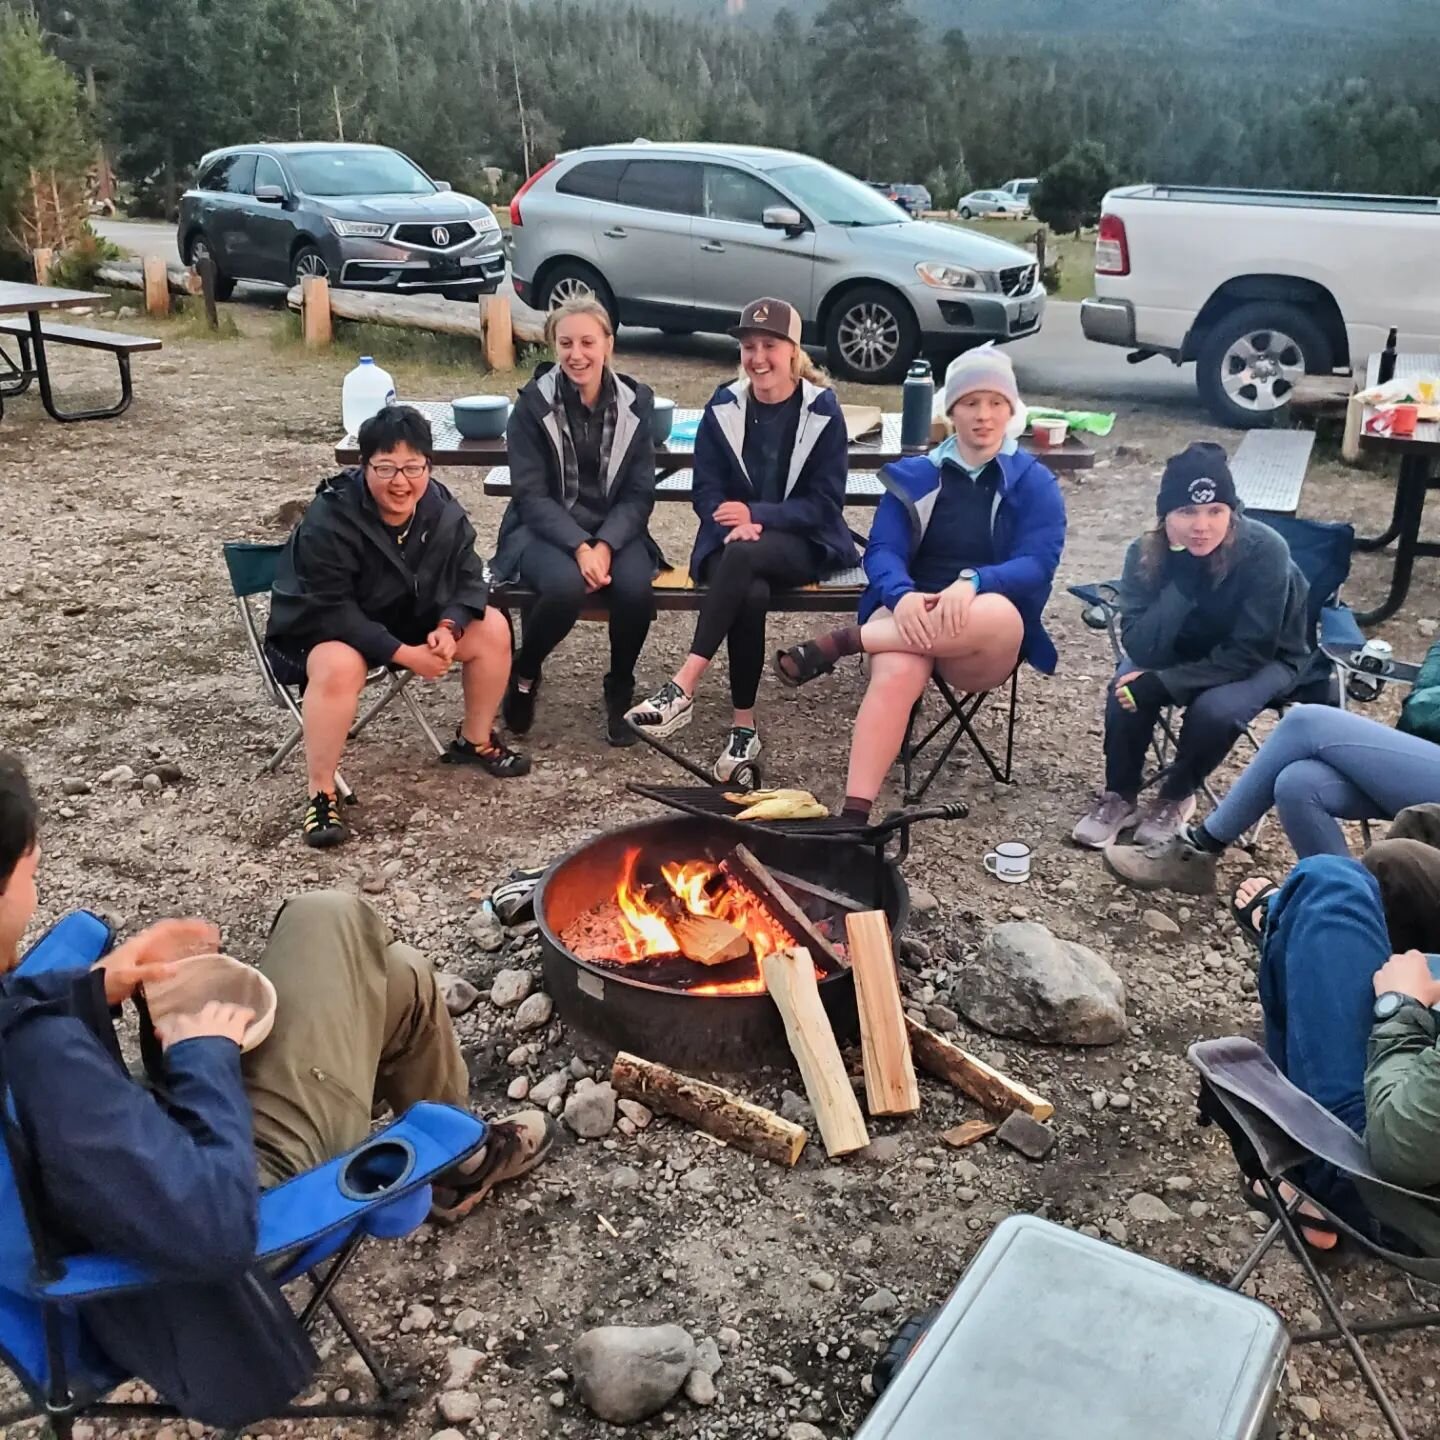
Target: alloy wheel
{"points": [[869, 337], [311, 262], [570, 287], [1261, 369]]}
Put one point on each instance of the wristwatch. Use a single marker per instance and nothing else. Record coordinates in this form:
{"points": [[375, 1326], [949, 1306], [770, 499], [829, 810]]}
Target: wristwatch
{"points": [[973, 576], [1392, 1002]]}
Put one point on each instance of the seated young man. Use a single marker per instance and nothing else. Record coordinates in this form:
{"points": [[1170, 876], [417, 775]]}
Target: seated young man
{"points": [[169, 1177], [382, 570]]}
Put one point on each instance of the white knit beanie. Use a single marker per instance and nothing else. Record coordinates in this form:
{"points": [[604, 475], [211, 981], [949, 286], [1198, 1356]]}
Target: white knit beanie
{"points": [[984, 368]]}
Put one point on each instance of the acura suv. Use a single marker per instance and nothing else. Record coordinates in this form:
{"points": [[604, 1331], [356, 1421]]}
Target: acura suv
{"points": [[364, 216], [684, 236]]}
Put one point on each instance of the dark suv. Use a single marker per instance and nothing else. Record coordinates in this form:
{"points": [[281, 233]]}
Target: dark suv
{"points": [[364, 216]]}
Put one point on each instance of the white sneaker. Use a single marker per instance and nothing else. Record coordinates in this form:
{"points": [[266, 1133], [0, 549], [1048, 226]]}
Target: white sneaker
{"points": [[665, 712], [742, 746], [1163, 820]]}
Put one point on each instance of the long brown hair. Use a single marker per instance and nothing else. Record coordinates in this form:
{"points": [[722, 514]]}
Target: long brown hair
{"points": [[1155, 546]]}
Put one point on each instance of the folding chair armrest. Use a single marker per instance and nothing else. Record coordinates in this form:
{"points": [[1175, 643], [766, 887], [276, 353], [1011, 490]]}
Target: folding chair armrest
{"points": [[1098, 592], [391, 1166], [1340, 632], [74, 942]]}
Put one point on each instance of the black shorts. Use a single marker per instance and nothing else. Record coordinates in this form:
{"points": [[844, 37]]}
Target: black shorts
{"points": [[289, 662]]}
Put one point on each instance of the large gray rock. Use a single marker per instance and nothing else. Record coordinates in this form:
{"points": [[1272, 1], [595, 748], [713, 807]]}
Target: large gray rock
{"points": [[1027, 983], [625, 1373], [590, 1113]]}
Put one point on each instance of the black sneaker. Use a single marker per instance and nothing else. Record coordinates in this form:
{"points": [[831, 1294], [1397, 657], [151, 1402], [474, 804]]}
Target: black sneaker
{"points": [[323, 826], [518, 707], [496, 757], [618, 699]]}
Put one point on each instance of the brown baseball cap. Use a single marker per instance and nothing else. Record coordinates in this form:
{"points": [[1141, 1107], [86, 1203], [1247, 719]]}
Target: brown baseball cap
{"points": [[769, 317]]}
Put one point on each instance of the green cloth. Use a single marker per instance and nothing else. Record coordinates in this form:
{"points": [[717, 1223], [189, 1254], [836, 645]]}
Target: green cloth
{"points": [[1420, 714], [1092, 422]]}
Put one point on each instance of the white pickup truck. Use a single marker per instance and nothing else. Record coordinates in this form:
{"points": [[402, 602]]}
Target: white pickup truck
{"points": [[1260, 287]]}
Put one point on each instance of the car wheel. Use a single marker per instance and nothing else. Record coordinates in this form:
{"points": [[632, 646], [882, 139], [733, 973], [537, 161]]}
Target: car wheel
{"points": [[871, 336], [308, 261], [198, 250], [574, 280], [966, 213], [1253, 358]]}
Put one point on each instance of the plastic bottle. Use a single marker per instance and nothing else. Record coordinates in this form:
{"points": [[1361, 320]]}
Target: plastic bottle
{"points": [[917, 401], [1386, 371], [367, 390]]}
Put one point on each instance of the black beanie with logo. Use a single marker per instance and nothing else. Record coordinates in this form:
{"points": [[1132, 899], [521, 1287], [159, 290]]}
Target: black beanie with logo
{"points": [[1198, 475]]}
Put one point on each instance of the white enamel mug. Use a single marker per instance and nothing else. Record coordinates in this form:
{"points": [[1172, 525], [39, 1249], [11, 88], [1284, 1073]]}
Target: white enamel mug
{"points": [[1009, 861]]}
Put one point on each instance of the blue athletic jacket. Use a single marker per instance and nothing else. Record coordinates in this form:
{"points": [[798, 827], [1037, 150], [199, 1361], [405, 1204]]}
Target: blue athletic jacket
{"points": [[1027, 526]]}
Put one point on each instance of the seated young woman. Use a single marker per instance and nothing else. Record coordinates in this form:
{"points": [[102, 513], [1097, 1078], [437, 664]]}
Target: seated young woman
{"points": [[1212, 617], [960, 561], [582, 468], [769, 491]]}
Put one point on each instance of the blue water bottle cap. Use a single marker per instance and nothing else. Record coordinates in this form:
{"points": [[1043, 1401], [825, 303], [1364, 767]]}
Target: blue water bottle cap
{"points": [[367, 360]]}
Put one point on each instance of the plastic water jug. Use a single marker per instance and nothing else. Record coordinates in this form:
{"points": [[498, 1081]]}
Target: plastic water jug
{"points": [[368, 390], [916, 403]]}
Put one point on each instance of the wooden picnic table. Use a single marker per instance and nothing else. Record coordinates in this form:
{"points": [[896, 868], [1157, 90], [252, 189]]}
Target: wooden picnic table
{"points": [[30, 301], [1419, 461], [865, 454]]}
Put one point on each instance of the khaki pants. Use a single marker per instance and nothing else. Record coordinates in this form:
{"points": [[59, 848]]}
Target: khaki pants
{"points": [[360, 1022]]}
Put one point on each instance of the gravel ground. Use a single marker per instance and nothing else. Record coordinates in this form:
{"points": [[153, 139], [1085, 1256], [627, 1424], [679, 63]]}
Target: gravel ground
{"points": [[123, 650]]}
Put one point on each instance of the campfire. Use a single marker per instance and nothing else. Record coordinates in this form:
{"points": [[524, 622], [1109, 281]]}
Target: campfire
{"points": [[702, 925]]}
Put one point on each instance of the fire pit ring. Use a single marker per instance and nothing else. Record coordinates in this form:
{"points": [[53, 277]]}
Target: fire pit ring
{"points": [[673, 1026]]}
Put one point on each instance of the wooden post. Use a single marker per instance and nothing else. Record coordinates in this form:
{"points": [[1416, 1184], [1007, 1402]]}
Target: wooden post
{"points": [[978, 1080], [890, 1087], [206, 269], [315, 311], [499, 332], [1350, 440], [1040, 252], [790, 979], [42, 259], [157, 286]]}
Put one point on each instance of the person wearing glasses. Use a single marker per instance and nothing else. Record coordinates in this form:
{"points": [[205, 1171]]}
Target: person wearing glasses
{"points": [[382, 570]]}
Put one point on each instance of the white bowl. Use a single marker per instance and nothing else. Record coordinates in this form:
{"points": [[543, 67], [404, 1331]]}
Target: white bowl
{"points": [[202, 978]]}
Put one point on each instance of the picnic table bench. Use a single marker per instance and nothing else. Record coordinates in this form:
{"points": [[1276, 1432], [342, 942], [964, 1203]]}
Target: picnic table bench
{"points": [[1269, 469]]}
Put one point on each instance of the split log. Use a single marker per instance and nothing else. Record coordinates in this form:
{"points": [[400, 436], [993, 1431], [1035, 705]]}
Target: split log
{"points": [[968, 1132], [315, 311], [978, 1080], [790, 979], [130, 275], [711, 1108], [157, 286], [890, 1086], [416, 312], [743, 867], [709, 941], [499, 332]]}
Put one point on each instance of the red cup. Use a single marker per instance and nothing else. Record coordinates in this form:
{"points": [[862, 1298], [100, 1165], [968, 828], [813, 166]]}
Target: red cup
{"points": [[1403, 419]]}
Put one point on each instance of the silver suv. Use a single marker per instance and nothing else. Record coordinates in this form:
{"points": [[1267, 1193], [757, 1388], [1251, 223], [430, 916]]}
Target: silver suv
{"points": [[683, 236]]}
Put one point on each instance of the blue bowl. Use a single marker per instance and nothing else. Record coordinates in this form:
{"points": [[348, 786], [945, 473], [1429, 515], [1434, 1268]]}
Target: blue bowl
{"points": [[481, 417]]}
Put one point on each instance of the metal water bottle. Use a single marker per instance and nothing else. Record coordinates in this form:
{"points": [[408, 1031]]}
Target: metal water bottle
{"points": [[917, 405]]}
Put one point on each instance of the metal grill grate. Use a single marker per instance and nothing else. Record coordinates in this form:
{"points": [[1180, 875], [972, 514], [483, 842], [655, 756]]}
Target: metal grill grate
{"points": [[708, 800]]}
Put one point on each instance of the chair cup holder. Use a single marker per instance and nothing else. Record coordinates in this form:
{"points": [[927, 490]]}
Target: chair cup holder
{"points": [[376, 1169]]}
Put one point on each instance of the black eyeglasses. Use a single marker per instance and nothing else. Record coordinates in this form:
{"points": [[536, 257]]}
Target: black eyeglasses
{"points": [[384, 470]]}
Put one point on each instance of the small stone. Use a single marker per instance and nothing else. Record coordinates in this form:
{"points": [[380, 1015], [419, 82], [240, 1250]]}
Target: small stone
{"points": [[780, 1375], [698, 1181], [728, 1338], [1179, 1185], [941, 1018], [803, 1430], [882, 1302], [699, 1388], [556, 1083], [374, 883], [1152, 1208], [625, 1177], [520, 1056], [707, 1357], [485, 929], [883, 1149], [591, 1114], [417, 1317], [467, 1320], [635, 1112], [118, 775], [450, 1434], [459, 995], [1307, 1406], [922, 902], [1159, 923], [1117, 1231], [458, 1407], [518, 1088], [1119, 1100], [1098, 1100], [1029, 1136], [820, 1280], [75, 785], [461, 1363], [534, 1012], [510, 987], [152, 784], [626, 1373], [796, 1108], [557, 1399]]}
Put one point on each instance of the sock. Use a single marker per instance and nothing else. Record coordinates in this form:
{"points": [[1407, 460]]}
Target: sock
{"points": [[524, 686], [839, 643], [857, 804], [1202, 839]]}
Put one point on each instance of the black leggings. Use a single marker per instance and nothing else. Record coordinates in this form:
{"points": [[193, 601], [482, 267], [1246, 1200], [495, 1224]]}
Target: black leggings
{"points": [[554, 575], [739, 577]]}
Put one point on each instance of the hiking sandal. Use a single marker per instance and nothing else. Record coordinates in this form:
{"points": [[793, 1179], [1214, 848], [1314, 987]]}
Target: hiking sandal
{"points": [[513, 1147], [1256, 1198], [497, 758], [801, 664], [1251, 918], [322, 826]]}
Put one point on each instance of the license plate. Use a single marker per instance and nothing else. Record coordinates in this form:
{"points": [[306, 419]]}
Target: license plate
{"points": [[1026, 314]]}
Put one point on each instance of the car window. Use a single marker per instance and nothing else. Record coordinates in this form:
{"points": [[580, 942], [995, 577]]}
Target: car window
{"points": [[268, 172], [216, 175], [836, 197], [672, 185], [357, 172], [240, 179], [734, 195], [593, 179]]}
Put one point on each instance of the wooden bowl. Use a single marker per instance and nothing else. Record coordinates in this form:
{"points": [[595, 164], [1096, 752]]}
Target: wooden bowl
{"points": [[202, 978]]}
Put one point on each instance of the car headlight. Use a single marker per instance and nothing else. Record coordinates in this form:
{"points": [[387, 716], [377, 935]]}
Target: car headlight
{"points": [[359, 229], [486, 220], [949, 277]]}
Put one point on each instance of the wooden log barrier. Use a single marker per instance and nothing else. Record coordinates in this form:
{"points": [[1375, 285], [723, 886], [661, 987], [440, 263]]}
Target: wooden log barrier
{"points": [[130, 275], [157, 286]]}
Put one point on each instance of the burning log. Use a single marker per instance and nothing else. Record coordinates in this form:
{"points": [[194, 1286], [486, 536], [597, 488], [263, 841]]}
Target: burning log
{"points": [[716, 1111], [890, 1087], [798, 885], [746, 870], [790, 979], [708, 941], [978, 1080]]}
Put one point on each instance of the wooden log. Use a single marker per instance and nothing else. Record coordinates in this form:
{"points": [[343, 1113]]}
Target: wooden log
{"points": [[790, 979], [499, 332], [711, 1108], [797, 884], [416, 312], [709, 941], [890, 1085], [968, 1132], [315, 311], [157, 286], [42, 259], [130, 275], [1350, 440], [206, 270], [742, 865], [997, 1092]]}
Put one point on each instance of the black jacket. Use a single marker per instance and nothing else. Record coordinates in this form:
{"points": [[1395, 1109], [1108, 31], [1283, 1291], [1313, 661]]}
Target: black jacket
{"points": [[165, 1179], [341, 574], [1262, 600], [537, 509]]}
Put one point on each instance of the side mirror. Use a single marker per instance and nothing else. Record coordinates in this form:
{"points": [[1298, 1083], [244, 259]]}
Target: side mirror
{"points": [[270, 194], [442, 184], [783, 217]]}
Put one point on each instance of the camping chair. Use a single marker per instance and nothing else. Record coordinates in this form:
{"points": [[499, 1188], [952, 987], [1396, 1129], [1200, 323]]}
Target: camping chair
{"points": [[252, 572], [1275, 1129], [312, 1225], [956, 722]]}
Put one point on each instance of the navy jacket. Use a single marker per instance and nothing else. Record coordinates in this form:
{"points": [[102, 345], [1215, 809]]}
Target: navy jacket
{"points": [[814, 502], [164, 1178], [1027, 527]]}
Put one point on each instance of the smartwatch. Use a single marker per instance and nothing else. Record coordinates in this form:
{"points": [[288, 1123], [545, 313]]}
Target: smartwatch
{"points": [[973, 576], [1392, 1002]]}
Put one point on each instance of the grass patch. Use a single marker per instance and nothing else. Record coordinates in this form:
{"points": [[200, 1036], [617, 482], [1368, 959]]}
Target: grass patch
{"points": [[1075, 254], [422, 347], [187, 321]]}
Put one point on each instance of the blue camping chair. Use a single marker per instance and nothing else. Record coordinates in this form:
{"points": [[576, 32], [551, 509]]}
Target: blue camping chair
{"points": [[1322, 550], [312, 1225]]}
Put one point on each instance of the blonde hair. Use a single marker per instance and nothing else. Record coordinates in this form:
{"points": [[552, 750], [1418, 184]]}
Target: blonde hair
{"points": [[580, 305], [802, 367]]}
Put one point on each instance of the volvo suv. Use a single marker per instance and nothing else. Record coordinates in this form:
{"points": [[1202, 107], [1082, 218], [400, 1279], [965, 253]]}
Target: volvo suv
{"points": [[683, 236], [364, 216]]}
